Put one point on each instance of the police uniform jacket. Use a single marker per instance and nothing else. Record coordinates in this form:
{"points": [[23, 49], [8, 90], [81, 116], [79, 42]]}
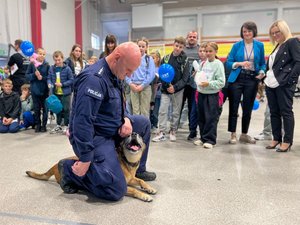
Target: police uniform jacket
{"points": [[97, 109]]}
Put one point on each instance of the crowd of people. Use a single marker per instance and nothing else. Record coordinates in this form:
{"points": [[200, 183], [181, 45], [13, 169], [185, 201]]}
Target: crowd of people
{"points": [[94, 93], [163, 102]]}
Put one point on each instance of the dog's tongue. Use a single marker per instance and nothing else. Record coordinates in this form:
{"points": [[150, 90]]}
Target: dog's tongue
{"points": [[134, 147]]}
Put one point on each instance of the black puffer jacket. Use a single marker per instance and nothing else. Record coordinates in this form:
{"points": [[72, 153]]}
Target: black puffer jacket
{"points": [[181, 68], [10, 105]]}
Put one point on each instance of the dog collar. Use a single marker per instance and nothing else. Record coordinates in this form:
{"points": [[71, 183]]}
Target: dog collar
{"points": [[130, 163]]}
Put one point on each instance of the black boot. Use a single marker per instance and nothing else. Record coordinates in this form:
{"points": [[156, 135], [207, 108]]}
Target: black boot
{"points": [[37, 128], [65, 185], [146, 176], [43, 129]]}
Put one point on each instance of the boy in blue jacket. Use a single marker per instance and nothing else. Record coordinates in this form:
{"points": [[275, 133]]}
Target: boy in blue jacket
{"points": [[37, 74], [60, 81]]}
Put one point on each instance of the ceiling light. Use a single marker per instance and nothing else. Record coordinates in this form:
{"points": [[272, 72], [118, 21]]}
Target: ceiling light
{"points": [[170, 2]]}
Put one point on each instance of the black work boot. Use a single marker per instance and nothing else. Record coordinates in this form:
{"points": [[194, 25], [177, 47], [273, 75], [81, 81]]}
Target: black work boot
{"points": [[65, 185], [43, 129], [146, 176], [37, 128]]}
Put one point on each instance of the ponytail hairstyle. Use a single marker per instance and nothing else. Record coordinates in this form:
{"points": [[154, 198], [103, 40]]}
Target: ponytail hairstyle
{"points": [[214, 46]]}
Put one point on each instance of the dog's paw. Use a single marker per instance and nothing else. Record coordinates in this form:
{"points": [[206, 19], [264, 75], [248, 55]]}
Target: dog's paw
{"points": [[146, 198], [150, 190]]}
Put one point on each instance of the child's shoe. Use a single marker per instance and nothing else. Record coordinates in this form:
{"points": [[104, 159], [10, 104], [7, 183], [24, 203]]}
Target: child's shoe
{"points": [[159, 137], [198, 142], [172, 135], [57, 130], [208, 146]]}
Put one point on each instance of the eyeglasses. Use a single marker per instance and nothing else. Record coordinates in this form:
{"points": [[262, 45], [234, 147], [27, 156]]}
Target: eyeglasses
{"points": [[275, 33]]}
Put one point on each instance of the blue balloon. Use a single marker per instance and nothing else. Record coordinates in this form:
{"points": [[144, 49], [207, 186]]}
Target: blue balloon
{"points": [[255, 105], [27, 48], [166, 72]]}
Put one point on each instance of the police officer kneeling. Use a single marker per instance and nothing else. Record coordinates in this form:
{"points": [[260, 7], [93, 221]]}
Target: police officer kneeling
{"points": [[98, 121]]}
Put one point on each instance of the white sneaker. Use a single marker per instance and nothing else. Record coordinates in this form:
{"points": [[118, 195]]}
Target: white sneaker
{"points": [[172, 135], [198, 142], [262, 137], [51, 118], [64, 129], [56, 130], [159, 137], [208, 145]]}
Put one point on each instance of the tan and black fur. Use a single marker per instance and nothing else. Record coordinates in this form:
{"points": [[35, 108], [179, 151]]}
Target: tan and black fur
{"points": [[129, 160]]}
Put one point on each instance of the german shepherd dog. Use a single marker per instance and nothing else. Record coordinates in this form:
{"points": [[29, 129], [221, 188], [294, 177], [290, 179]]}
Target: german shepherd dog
{"points": [[129, 155]]}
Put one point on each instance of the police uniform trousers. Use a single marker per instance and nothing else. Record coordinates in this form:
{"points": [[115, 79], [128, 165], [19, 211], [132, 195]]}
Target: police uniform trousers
{"points": [[105, 178], [280, 102], [246, 86]]}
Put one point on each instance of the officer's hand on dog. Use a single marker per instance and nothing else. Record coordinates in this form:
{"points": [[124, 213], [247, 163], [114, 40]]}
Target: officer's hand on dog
{"points": [[80, 168], [126, 129]]}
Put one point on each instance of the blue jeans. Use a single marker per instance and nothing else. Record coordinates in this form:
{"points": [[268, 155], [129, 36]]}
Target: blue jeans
{"points": [[28, 119], [12, 128]]}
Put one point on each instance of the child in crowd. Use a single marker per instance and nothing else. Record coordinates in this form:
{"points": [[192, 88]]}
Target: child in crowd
{"points": [[210, 79], [10, 107], [156, 92], [172, 93], [92, 60], [76, 61], [37, 74], [60, 81], [196, 67], [4, 74], [140, 80], [26, 116]]}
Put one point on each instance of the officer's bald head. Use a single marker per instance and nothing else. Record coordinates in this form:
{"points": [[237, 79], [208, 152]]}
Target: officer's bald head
{"points": [[124, 60]]}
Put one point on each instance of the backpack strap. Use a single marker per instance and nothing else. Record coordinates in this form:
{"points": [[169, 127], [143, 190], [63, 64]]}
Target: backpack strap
{"points": [[147, 59], [167, 58]]}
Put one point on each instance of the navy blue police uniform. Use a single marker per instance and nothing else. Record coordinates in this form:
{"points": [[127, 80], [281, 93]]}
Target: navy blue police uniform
{"points": [[97, 114]]}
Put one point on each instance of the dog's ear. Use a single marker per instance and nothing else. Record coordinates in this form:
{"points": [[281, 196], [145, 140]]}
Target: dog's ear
{"points": [[143, 146]]}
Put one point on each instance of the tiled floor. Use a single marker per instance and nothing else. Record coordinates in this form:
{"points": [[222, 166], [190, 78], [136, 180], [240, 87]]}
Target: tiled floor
{"points": [[230, 184]]}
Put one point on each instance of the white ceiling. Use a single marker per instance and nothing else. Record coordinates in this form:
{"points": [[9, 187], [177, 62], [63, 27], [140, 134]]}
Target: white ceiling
{"points": [[115, 6]]}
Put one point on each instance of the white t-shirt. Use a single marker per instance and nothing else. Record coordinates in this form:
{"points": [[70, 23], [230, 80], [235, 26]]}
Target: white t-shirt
{"points": [[270, 79]]}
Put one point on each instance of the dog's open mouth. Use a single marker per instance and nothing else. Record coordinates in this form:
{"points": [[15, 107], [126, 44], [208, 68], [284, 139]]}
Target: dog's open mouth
{"points": [[133, 146]]}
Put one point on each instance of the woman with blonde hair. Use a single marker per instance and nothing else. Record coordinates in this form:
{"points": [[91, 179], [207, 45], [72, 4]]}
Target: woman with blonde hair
{"points": [[283, 69]]}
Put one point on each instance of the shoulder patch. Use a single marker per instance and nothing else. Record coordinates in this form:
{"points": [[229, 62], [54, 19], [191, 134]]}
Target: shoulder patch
{"points": [[100, 71], [93, 93]]}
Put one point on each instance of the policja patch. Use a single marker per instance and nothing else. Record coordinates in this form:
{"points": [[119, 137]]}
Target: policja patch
{"points": [[93, 93]]}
